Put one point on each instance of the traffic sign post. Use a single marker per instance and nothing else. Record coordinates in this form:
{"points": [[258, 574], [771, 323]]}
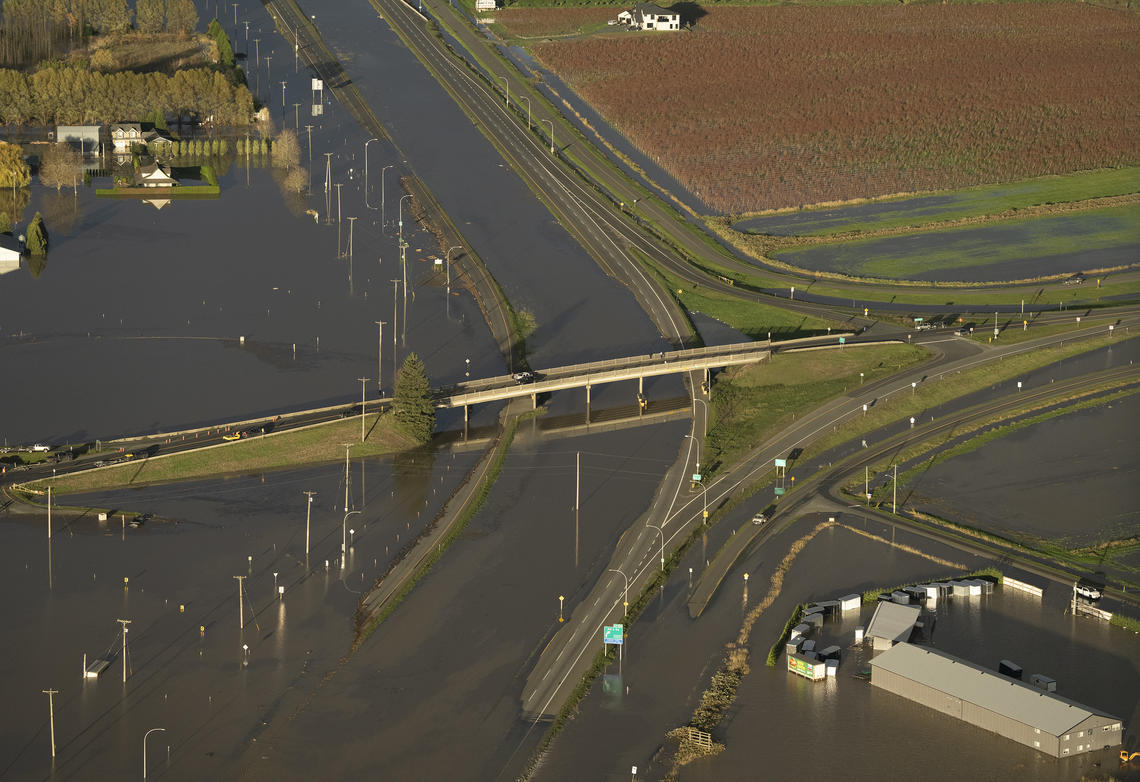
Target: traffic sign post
{"points": [[613, 634]]}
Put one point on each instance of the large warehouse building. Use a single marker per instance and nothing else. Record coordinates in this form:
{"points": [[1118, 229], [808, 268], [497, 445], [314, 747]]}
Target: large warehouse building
{"points": [[996, 703]]}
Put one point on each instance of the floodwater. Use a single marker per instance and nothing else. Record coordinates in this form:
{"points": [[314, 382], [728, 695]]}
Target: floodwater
{"points": [[783, 727], [1024, 249], [135, 322], [434, 693], [1074, 478], [197, 684]]}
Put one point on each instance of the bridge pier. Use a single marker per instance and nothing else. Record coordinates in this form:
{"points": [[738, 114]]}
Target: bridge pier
{"points": [[640, 386], [465, 416], [587, 403], [534, 401]]}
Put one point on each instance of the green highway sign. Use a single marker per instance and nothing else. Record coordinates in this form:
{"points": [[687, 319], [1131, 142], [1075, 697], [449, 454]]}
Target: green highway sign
{"points": [[612, 634], [696, 476], [843, 340], [779, 490], [781, 462]]}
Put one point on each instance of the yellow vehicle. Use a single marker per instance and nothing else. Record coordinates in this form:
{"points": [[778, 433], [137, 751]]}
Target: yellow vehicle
{"points": [[233, 435]]}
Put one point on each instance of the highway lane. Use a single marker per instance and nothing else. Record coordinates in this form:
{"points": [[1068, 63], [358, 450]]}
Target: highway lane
{"points": [[567, 655]]}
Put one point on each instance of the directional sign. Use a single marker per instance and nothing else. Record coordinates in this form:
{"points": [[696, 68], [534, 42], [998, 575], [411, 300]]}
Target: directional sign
{"points": [[843, 340], [318, 84], [918, 320], [779, 490], [781, 462], [612, 634], [697, 476]]}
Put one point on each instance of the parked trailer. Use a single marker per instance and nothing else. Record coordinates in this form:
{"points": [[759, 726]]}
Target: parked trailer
{"points": [[1010, 669]]}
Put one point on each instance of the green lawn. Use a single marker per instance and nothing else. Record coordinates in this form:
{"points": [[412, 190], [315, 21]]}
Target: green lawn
{"points": [[928, 208], [751, 402]]}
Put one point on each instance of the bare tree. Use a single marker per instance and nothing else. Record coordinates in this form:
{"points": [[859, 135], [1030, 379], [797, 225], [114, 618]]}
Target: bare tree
{"points": [[61, 166]]}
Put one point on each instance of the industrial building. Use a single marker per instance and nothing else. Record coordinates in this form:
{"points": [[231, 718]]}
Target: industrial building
{"points": [[1026, 714], [891, 623]]}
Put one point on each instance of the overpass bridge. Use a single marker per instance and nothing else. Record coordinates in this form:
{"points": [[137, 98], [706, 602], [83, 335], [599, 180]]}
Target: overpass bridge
{"points": [[617, 370]]}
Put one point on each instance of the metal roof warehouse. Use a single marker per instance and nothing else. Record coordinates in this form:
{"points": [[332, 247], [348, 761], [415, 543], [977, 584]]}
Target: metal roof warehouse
{"points": [[1001, 705]]}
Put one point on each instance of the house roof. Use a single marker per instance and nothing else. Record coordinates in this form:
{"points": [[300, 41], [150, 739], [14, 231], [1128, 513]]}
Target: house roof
{"points": [[10, 244], [648, 9], [892, 621], [126, 126], [154, 173], [971, 683]]}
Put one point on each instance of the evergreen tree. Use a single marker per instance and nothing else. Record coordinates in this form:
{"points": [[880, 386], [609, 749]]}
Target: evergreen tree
{"points": [[37, 241], [181, 17], [150, 15], [411, 401], [14, 172], [5, 224]]}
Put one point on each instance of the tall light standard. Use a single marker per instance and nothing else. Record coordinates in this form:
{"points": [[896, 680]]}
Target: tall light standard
{"points": [[696, 440], [660, 530], [362, 380], [343, 537], [51, 716], [705, 426], [382, 193], [380, 359], [308, 513], [366, 143], [523, 97], [551, 124], [506, 89], [625, 600], [152, 730]]}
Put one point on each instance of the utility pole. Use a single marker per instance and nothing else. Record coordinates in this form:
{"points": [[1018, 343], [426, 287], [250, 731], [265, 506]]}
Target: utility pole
{"points": [[257, 48], [404, 268], [362, 380], [124, 623], [247, 34], [577, 494], [51, 717], [50, 584], [308, 513], [350, 219], [867, 483], [309, 131], [297, 118], [268, 70], [282, 98], [328, 171], [235, 5], [241, 605], [339, 185], [380, 359]]}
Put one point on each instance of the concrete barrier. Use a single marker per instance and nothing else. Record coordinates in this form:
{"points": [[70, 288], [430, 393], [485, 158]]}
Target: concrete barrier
{"points": [[1013, 583]]}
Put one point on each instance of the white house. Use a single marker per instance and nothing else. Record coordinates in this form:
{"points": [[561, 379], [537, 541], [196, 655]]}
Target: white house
{"points": [[486, 5], [645, 16], [10, 251], [124, 135], [154, 175]]}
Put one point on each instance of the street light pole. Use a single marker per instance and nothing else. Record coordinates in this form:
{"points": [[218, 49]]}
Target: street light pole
{"points": [[241, 605], [625, 599], [401, 223], [506, 89], [383, 192], [705, 422], [362, 380], [366, 143], [447, 308], [380, 359], [308, 514], [660, 530], [551, 124], [523, 97], [152, 730], [696, 440], [343, 537]]}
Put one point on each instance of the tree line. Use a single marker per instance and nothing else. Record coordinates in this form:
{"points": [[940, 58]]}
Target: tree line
{"points": [[36, 30], [75, 95]]}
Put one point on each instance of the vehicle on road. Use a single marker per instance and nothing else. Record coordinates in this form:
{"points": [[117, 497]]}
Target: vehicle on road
{"points": [[231, 436], [1089, 590], [522, 378], [760, 519]]}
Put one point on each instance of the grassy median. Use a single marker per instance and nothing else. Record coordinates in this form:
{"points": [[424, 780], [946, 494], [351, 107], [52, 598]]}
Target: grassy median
{"points": [[311, 445]]}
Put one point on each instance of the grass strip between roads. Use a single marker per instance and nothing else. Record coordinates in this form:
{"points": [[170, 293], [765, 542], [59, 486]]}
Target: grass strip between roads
{"points": [[367, 625], [274, 451]]}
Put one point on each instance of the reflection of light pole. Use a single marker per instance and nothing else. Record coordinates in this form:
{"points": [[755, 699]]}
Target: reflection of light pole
{"points": [[343, 538], [523, 97], [366, 143], [380, 359], [448, 299], [308, 513], [152, 730], [662, 543], [51, 718], [362, 380], [625, 600], [401, 223], [551, 124]]}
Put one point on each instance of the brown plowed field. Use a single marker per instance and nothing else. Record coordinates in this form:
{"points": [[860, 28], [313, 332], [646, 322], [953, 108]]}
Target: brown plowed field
{"points": [[765, 107]]}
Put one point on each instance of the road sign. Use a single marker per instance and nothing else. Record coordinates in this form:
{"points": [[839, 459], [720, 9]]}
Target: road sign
{"points": [[843, 340], [779, 490], [697, 476], [318, 84], [781, 462], [612, 634], [919, 320]]}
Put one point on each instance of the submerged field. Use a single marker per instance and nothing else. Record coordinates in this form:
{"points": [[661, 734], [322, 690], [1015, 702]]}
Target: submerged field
{"points": [[1012, 250], [783, 106], [938, 207]]}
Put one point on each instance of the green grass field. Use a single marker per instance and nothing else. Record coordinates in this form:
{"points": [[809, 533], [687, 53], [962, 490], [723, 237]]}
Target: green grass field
{"points": [[289, 449], [1009, 250], [928, 208], [751, 402]]}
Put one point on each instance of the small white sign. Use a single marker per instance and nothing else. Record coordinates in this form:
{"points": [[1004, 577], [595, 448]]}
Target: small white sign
{"points": [[318, 84]]}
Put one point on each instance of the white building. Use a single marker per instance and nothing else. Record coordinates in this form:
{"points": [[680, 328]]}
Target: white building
{"points": [[486, 5], [645, 16], [10, 251]]}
